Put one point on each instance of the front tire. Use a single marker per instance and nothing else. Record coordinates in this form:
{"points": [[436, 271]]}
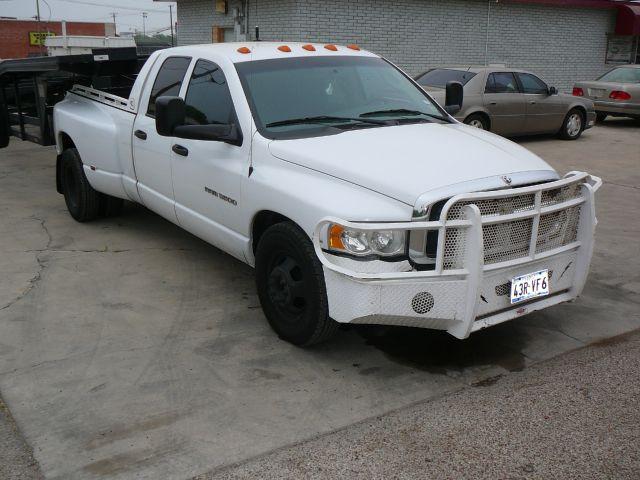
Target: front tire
{"points": [[477, 120], [83, 202], [573, 125], [291, 286]]}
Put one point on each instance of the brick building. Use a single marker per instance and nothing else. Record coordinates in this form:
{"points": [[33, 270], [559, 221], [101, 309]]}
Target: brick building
{"points": [[562, 40], [24, 38]]}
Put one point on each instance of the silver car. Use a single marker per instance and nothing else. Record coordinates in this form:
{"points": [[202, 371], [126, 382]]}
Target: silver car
{"points": [[511, 102], [616, 93]]}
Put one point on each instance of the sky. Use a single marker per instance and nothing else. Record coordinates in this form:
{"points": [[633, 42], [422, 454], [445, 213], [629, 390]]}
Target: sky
{"points": [[128, 12]]}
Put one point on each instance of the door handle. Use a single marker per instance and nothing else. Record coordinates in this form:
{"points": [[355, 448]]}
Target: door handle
{"points": [[532, 102], [180, 150], [140, 134], [493, 103]]}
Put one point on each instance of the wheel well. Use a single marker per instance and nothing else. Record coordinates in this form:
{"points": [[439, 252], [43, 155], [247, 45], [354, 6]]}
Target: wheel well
{"points": [[481, 114], [261, 222], [65, 142], [582, 110]]}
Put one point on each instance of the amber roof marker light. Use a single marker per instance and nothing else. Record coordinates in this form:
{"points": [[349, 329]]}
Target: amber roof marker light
{"points": [[354, 47], [331, 47], [244, 50], [284, 48], [309, 48]]}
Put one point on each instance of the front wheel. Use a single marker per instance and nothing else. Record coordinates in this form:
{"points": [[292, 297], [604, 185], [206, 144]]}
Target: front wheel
{"points": [[291, 286], [573, 125], [477, 121]]}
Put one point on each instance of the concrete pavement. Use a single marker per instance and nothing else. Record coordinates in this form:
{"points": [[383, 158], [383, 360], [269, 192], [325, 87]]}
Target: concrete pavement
{"points": [[572, 417], [130, 348]]}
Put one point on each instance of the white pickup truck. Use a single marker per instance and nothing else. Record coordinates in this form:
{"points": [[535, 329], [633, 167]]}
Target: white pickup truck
{"points": [[354, 195]]}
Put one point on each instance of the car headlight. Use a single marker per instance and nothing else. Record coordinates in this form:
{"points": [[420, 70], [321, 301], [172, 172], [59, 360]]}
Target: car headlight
{"points": [[385, 243]]}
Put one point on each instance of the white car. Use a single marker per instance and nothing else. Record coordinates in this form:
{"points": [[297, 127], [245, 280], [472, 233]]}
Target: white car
{"points": [[356, 197]]}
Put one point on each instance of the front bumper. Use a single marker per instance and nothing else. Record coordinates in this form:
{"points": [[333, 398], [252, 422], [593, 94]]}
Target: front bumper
{"points": [[465, 294], [591, 119]]}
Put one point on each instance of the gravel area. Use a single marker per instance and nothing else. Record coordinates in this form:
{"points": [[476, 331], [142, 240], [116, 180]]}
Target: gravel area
{"points": [[16, 458], [575, 416]]}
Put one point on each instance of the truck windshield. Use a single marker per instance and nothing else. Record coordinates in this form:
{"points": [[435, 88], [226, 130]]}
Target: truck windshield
{"points": [[439, 77], [313, 96]]}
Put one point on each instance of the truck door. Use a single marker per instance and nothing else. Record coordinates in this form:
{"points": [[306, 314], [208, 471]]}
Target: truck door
{"points": [[505, 103], [207, 174], [151, 152]]}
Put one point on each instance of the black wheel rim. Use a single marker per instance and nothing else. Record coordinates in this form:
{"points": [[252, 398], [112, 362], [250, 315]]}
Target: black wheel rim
{"points": [[71, 187], [286, 287]]}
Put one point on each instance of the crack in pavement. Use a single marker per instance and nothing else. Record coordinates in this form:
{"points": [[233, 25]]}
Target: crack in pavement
{"points": [[35, 280], [621, 185], [106, 250]]}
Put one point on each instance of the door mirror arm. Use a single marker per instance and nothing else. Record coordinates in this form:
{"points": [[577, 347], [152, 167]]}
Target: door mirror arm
{"points": [[553, 91]]}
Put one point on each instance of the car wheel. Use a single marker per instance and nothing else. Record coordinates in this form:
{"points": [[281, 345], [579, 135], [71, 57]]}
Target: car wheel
{"points": [[477, 120], [291, 286], [83, 202], [600, 117], [573, 125]]}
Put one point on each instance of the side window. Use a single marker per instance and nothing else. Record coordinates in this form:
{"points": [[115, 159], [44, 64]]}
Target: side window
{"points": [[501, 82], [208, 100], [168, 81], [532, 84]]}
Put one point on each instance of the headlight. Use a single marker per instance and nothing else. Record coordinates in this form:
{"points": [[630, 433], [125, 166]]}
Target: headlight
{"points": [[386, 243]]}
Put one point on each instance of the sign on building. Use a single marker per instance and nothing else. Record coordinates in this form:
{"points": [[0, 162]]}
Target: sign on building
{"points": [[619, 49], [37, 38]]}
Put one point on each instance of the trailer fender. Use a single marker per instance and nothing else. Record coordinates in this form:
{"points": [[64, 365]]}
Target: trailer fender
{"points": [[4, 126]]}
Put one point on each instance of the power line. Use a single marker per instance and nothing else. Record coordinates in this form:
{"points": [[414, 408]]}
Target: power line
{"points": [[110, 5]]}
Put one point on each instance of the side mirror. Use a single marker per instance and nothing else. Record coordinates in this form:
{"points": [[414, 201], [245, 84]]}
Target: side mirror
{"points": [[170, 113], [454, 97], [228, 133], [553, 91]]}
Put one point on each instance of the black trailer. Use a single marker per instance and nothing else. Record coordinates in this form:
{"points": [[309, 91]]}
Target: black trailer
{"points": [[30, 87]]}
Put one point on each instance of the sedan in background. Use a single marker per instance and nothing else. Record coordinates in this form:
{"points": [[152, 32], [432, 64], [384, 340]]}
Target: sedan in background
{"points": [[616, 93], [511, 102]]}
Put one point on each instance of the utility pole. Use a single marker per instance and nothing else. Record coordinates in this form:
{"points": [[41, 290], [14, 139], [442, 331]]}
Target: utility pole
{"points": [[115, 27], [38, 10], [171, 18], [144, 24]]}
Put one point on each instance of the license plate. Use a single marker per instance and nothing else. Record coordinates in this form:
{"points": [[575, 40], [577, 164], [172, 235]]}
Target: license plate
{"points": [[597, 92], [531, 285]]}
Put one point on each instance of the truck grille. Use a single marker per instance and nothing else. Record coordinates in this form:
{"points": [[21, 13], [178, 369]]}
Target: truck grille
{"points": [[513, 239]]}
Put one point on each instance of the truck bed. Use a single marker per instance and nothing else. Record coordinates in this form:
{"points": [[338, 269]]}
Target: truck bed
{"points": [[30, 87]]}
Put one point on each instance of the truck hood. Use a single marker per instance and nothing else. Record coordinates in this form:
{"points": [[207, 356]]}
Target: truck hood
{"points": [[404, 162]]}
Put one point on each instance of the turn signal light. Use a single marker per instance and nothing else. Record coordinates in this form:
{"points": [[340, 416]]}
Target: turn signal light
{"points": [[244, 50], [619, 95], [309, 48], [333, 48], [284, 48], [335, 237], [578, 92]]}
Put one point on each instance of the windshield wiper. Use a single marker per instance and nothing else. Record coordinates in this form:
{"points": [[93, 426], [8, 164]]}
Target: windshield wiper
{"points": [[401, 111], [324, 119]]}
